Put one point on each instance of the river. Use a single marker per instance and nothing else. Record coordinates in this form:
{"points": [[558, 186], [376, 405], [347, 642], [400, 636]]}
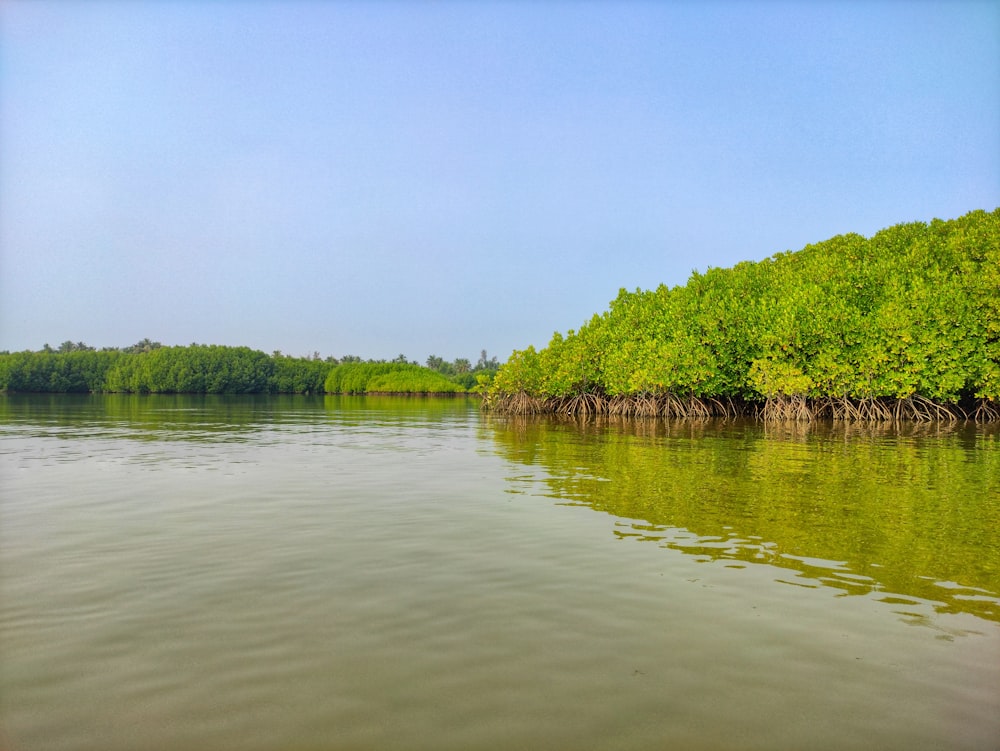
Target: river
{"points": [[181, 572]]}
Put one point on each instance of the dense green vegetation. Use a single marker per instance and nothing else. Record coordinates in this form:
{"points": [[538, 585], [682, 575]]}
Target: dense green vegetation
{"points": [[197, 369], [388, 377], [76, 371], [902, 325], [151, 368]]}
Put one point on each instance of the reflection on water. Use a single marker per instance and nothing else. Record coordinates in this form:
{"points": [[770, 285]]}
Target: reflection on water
{"points": [[381, 573], [210, 417], [208, 427], [910, 512]]}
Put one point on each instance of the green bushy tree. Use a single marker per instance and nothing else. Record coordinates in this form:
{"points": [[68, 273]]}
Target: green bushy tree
{"points": [[911, 313]]}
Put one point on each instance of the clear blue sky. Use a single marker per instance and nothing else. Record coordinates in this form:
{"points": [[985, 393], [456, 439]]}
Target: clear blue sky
{"points": [[377, 178]]}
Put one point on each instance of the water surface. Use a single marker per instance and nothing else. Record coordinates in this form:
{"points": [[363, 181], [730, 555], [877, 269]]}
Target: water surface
{"points": [[377, 573]]}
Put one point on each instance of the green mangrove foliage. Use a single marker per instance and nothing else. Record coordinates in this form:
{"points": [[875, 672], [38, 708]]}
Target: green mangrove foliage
{"points": [[65, 372], [197, 369], [151, 368], [902, 325], [299, 375], [388, 378]]}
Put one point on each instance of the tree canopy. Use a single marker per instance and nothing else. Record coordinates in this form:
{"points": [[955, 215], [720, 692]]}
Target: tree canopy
{"points": [[903, 324], [151, 368]]}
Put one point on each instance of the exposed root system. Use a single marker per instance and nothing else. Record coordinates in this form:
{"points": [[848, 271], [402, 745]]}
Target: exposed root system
{"points": [[520, 403], [987, 410], [787, 409], [794, 408]]}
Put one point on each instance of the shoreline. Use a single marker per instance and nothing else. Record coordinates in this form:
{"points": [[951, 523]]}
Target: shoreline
{"points": [[915, 408]]}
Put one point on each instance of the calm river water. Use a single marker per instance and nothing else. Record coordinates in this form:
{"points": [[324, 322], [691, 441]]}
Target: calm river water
{"points": [[379, 573]]}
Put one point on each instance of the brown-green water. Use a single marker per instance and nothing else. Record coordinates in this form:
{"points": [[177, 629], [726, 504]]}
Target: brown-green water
{"points": [[309, 573]]}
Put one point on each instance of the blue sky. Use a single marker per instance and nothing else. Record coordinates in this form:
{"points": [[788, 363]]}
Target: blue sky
{"points": [[377, 178]]}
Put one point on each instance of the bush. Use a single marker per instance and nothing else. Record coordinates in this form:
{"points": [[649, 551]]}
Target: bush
{"points": [[911, 313]]}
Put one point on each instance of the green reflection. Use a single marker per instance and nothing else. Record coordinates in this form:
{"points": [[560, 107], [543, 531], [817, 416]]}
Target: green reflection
{"points": [[401, 408], [911, 512], [213, 417], [189, 416]]}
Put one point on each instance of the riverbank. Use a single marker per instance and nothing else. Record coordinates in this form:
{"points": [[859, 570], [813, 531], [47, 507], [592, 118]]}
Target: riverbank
{"points": [[669, 406]]}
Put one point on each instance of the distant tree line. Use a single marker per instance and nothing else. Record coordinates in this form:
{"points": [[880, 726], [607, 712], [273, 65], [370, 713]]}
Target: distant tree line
{"points": [[148, 367], [461, 371], [902, 325], [388, 378]]}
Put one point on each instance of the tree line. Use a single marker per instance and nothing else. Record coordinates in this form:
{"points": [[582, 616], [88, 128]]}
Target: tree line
{"points": [[149, 367], [902, 325]]}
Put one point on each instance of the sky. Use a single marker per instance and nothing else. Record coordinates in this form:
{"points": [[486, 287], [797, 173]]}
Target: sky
{"points": [[439, 178]]}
